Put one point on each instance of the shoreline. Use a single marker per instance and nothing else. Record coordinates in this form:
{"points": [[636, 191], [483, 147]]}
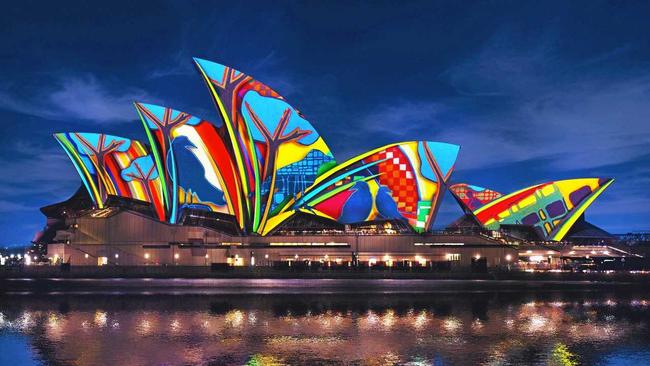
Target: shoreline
{"points": [[195, 272], [58, 287], [298, 286]]}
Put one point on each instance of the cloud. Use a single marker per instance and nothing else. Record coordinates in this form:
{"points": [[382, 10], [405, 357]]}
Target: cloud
{"points": [[404, 119], [76, 98], [31, 171], [521, 100], [504, 65], [180, 65], [9, 207]]}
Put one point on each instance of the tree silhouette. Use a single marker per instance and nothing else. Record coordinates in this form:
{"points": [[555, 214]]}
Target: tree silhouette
{"points": [[97, 155], [166, 125], [273, 142], [141, 170], [442, 184]]}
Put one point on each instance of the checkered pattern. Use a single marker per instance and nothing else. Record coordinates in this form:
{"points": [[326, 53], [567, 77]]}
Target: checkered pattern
{"points": [[398, 175], [470, 196]]}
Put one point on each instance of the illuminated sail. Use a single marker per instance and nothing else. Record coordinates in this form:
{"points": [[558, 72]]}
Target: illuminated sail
{"points": [[551, 208], [110, 165], [277, 152], [207, 179], [399, 181]]}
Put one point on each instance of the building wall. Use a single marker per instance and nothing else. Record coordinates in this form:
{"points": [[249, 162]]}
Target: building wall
{"points": [[128, 238], [128, 254]]}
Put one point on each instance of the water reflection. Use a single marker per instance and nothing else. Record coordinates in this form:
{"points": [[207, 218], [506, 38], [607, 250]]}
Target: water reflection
{"points": [[474, 328]]}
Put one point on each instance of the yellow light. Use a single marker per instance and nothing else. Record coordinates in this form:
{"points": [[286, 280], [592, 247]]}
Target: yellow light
{"points": [[266, 256], [207, 256], [477, 256], [508, 257], [146, 255], [327, 257], [85, 256], [176, 256]]}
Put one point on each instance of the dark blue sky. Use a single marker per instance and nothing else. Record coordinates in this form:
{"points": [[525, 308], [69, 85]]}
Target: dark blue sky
{"points": [[533, 91]]}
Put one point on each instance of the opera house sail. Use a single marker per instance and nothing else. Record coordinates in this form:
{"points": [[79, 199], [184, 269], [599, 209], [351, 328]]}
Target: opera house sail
{"points": [[551, 207], [262, 171]]}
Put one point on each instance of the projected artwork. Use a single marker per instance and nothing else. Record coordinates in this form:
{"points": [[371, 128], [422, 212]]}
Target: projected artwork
{"points": [[192, 153], [398, 181], [551, 208], [114, 166], [264, 162], [473, 197], [277, 152]]}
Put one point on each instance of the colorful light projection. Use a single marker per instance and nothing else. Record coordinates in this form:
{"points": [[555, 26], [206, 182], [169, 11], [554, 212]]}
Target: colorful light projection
{"points": [[213, 184], [473, 197], [265, 162], [111, 165], [551, 208], [277, 152], [397, 181]]}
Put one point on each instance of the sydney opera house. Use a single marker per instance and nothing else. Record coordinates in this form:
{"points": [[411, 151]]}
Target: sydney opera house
{"points": [[261, 187]]}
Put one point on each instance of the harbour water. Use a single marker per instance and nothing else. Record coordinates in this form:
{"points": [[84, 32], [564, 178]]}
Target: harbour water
{"points": [[333, 327]]}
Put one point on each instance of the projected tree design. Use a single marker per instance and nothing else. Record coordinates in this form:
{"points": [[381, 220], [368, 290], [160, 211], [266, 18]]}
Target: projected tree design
{"points": [[164, 128], [442, 183], [273, 142], [167, 124], [141, 170], [97, 153]]}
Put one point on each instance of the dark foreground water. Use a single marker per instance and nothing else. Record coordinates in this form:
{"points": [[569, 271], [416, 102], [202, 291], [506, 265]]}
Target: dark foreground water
{"points": [[500, 327]]}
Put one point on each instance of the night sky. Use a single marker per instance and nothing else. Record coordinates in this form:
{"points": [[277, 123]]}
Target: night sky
{"points": [[532, 91]]}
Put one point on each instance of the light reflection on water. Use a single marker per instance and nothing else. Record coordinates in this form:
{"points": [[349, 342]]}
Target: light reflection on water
{"points": [[473, 328]]}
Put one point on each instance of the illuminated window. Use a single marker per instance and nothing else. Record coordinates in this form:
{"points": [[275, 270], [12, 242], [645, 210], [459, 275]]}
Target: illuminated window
{"points": [[452, 257]]}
